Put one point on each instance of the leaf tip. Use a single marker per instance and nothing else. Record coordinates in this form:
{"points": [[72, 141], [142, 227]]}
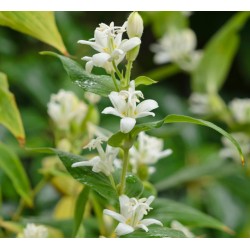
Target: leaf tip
{"points": [[21, 141]]}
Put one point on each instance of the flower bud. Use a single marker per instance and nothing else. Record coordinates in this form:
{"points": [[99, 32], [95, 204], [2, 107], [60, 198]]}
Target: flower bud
{"points": [[135, 25]]}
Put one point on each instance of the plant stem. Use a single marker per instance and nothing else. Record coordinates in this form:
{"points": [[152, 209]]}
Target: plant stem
{"points": [[112, 181], [128, 72], [117, 71], [163, 72], [114, 80], [124, 170]]}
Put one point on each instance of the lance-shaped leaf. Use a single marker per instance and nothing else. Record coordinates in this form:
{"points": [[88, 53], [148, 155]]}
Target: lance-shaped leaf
{"points": [[13, 168], [98, 84], [38, 24], [144, 80], [218, 55], [156, 232], [167, 210], [97, 181], [117, 139], [9, 113]]}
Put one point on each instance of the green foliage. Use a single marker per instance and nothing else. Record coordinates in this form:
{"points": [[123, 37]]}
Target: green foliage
{"points": [[117, 139], [98, 84], [9, 113], [13, 168], [134, 186], [218, 56], [167, 210], [39, 24], [80, 208], [156, 232], [144, 80]]}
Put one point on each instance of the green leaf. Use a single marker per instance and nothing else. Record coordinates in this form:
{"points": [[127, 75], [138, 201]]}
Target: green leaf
{"points": [[215, 167], [134, 186], [9, 113], [167, 210], [98, 84], [156, 232], [13, 168], [144, 80], [117, 139], [97, 181], [80, 208], [39, 24], [215, 64]]}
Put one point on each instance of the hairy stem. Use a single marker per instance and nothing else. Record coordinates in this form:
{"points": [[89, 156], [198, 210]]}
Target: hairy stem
{"points": [[128, 72], [114, 80]]}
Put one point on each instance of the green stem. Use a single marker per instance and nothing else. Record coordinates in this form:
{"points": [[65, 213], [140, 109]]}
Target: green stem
{"points": [[112, 181], [163, 72], [128, 72], [124, 170], [114, 80], [117, 71]]}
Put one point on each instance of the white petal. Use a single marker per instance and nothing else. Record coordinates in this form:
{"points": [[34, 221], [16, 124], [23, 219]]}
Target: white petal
{"points": [[127, 124], [89, 66], [82, 164], [143, 114], [148, 222], [100, 59], [94, 45], [142, 226], [130, 44], [146, 106], [165, 153], [118, 102], [111, 111], [162, 57], [114, 215], [123, 229], [101, 38], [124, 201], [150, 200]]}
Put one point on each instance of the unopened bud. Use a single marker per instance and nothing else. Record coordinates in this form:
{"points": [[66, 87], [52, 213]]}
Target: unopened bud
{"points": [[135, 25]]}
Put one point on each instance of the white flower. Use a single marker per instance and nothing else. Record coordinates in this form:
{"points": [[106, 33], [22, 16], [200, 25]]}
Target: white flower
{"points": [[229, 151], [125, 106], [108, 42], [200, 104], [34, 231], [148, 152], [131, 215], [104, 162], [92, 98], [135, 25], [178, 47], [240, 109], [178, 226], [65, 108]]}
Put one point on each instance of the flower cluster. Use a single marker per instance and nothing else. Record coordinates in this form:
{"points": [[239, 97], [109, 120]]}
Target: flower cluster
{"points": [[65, 109], [240, 109], [34, 231], [104, 162], [110, 45], [125, 106], [131, 215], [148, 152], [178, 47]]}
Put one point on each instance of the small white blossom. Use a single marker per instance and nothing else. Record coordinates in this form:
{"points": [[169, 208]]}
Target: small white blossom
{"points": [[125, 106], [240, 109], [229, 151], [148, 152], [65, 108], [131, 215], [104, 162], [178, 47], [92, 98], [135, 25], [34, 231], [200, 104], [108, 42], [178, 226]]}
